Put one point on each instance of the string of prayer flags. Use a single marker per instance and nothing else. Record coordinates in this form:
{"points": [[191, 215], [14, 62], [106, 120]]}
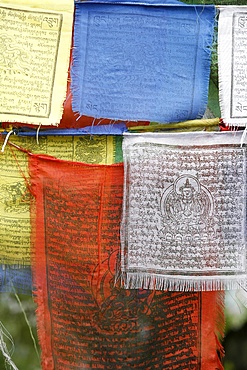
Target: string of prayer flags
{"points": [[232, 61], [85, 319], [130, 60], [184, 214], [35, 46]]}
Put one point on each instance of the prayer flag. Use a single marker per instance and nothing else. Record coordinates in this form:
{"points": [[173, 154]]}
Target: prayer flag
{"points": [[85, 319], [184, 213], [232, 59], [148, 61], [35, 46]]}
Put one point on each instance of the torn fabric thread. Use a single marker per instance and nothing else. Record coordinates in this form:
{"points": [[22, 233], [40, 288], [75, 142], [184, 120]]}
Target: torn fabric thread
{"points": [[4, 349]]}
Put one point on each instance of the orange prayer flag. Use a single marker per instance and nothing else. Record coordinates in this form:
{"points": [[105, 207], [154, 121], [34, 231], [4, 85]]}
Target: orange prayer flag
{"points": [[85, 319]]}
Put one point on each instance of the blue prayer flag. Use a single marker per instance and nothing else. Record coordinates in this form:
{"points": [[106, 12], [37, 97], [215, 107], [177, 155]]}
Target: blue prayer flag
{"points": [[15, 279], [145, 61]]}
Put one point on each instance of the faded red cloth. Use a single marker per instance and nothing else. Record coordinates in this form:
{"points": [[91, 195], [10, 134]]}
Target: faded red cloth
{"points": [[85, 319]]}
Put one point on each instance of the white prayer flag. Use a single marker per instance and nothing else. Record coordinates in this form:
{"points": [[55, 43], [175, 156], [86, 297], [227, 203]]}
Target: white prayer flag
{"points": [[184, 211], [232, 60]]}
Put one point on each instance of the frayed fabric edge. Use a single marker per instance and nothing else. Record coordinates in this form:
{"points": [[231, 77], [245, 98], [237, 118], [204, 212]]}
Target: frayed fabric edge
{"points": [[180, 284]]}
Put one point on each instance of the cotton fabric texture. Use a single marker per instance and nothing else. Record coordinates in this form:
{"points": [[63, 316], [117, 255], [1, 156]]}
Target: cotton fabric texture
{"points": [[184, 213]]}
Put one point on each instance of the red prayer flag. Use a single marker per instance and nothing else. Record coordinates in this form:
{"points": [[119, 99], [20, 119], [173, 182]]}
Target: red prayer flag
{"points": [[85, 319]]}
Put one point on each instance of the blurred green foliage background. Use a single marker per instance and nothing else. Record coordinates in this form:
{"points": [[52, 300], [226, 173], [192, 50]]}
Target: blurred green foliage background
{"points": [[235, 341]]}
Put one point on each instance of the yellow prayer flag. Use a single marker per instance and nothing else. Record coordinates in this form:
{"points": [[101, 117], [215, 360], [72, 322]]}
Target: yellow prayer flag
{"points": [[35, 43]]}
